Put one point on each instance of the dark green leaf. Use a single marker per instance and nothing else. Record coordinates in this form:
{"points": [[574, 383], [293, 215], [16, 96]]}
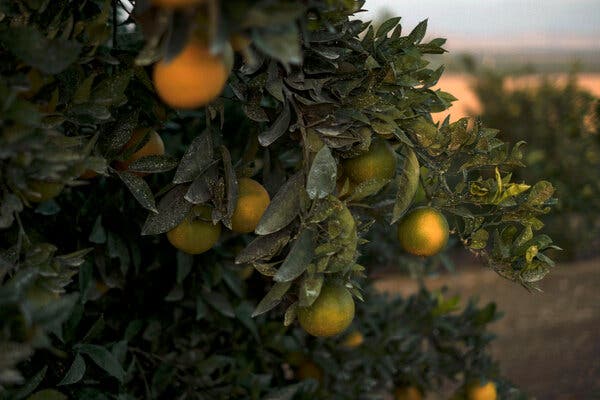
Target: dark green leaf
{"points": [[264, 247], [104, 359], [140, 190], [153, 164], [220, 303], [298, 258], [48, 55], [279, 42], [197, 157], [98, 234], [322, 176], [310, 288], [279, 127], [406, 181], [284, 207], [272, 298], [387, 26], [48, 394], [75, 372], [418, 33]]}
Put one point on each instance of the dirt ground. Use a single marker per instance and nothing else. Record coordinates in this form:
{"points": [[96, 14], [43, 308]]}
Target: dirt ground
{"points": [[547, 342]]}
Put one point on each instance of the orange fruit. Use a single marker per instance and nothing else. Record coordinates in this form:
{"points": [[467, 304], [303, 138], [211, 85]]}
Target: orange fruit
{"points": [[308, 370], [176, 3], [194, 235], [330, 314], [407, 393], [154, 146], [194, 78], [252, 202], [423, 231], [482, 391], [379, 162], [353, 340], [40, 191]]}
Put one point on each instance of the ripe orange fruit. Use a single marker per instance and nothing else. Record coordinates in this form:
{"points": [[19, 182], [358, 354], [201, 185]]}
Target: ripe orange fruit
{"points": [[192, 79], [353, 340], [176, 3], [379, 162], [482, 391], [423, 231], [154, 146], [252, 202], [408, 393], [195, 235], [41, 191], [309, 369], [330, 314]]}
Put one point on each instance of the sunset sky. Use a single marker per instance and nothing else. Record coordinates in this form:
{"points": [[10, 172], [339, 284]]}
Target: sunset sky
{"points": [[501, 24]]}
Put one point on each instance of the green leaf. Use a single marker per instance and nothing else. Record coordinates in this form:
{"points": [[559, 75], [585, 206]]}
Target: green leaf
{"points": [[140, 190], [367, 188], [540, 193], [30, 385], [172, 209], [184, 265], [284, 207], [298, 258], [479, 239], [103, 358], [310, 288], [290, 314], [279, 42], [111, 91], [220, 303], [50, 56], [263, 247], [48, 394], [243, 312], [231, 187], [98, 234], [75, 372], [285, 393], [531, 252], [113, 139], [322, 176], [272, 298], [198, 156], [279, 127], [387, 26], [418, 33], [406, 181], [153, 164]]}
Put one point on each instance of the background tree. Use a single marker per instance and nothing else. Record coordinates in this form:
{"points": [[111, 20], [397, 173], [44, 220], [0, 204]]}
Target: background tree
{"points": [[165, 221]]}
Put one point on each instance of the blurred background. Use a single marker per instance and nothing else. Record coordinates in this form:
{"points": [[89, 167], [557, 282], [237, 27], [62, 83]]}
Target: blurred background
{"points": [[530, 68]]}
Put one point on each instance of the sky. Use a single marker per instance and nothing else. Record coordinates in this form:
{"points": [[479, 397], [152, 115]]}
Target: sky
{"points": [[501, 24]]}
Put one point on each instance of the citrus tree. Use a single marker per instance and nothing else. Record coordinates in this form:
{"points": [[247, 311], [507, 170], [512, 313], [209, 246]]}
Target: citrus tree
{"points": [[562, 124], [187, 187]]}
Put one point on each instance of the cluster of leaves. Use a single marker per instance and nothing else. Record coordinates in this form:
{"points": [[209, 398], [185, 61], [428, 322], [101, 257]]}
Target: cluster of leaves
{"points": [[314, 88], [195, 337], [561, 127]]}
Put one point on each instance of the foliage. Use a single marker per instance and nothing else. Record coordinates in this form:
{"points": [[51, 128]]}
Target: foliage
{"points": [[119, 313], [561, 126]]}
